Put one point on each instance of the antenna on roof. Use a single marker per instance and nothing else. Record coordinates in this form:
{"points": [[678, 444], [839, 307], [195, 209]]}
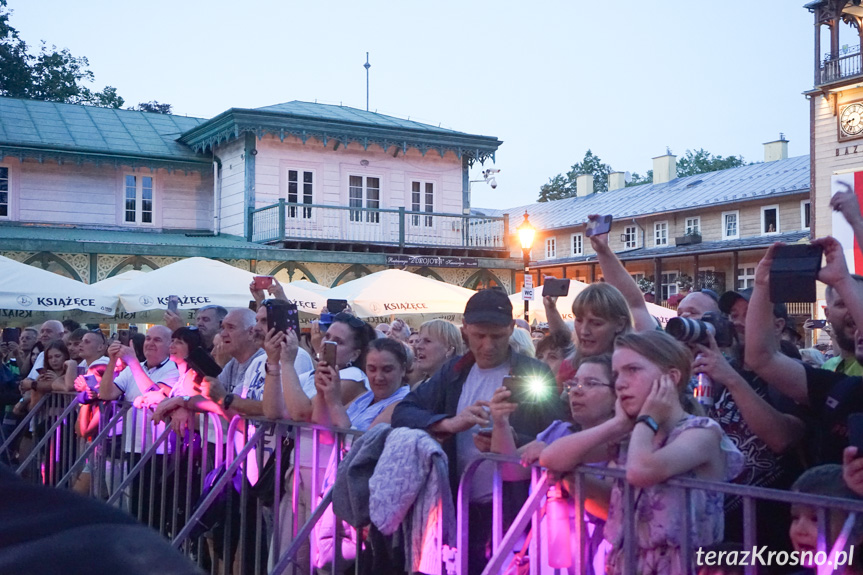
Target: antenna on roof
{"points": [[367, 66], [627, 177]]}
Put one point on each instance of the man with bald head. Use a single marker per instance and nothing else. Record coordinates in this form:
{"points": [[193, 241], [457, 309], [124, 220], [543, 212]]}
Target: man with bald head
{"points": [[51, 330], [698, 303]]}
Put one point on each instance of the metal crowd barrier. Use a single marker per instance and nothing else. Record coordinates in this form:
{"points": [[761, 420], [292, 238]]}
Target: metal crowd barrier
{"points": [[198, 491]]}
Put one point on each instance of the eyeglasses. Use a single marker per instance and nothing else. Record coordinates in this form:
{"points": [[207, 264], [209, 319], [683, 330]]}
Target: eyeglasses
{"points": [[584, 384]]}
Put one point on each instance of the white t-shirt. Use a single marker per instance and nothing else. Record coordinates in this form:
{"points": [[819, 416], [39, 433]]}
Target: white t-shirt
{"points": [[479, 385], [165, 373], [101, 361], [234, 373]]}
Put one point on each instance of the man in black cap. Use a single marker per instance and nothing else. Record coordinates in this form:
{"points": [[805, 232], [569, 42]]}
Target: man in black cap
{"points": [[453, 406]]}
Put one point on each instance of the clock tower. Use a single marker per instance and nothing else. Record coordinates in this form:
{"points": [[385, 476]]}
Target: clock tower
{"points": [[836, 117]]}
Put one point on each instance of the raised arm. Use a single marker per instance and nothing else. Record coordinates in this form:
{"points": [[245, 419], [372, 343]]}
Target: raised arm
{"points": [[615, 274], [762, 348]]}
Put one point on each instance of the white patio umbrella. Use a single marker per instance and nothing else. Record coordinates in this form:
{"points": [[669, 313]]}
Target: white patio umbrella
{"points": [[25, 288], [199, 282], [385, 295], [564, 305]]}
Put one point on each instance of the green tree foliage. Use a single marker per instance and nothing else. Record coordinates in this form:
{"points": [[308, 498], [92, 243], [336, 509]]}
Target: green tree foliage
{"points": [[153, 106], [51, 74], [701, 161], [638, 179], [563, 185]]}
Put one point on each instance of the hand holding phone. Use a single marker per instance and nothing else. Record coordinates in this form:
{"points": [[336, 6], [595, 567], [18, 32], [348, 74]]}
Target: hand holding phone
{"points": [[173, 303], [283, 316], [554, 287], [598, 225], [263, 282], [335, 306]]}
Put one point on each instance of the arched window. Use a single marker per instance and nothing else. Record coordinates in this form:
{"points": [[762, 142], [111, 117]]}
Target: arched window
{"points": [[483, 279]]}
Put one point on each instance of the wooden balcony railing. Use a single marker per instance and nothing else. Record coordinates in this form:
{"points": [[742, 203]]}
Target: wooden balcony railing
{"points": [[846, 64], [387, 227]]}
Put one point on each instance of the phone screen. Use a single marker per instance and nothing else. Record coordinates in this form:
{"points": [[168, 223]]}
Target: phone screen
{"points": [[329, 353], [335, 306], [173, 303]]}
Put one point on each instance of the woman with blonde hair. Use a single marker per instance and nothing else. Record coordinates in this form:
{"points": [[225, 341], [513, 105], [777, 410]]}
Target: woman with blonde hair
{"points": [[438, 341]]}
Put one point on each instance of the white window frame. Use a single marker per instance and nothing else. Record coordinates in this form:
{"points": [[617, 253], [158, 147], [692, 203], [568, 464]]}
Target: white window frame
{"points": [[764, 209], [370, 217], [630, 232], [5, 188], [295, 212], [671, 286], [746, 277], [550, 248], [423, 204], [660, 233], [579, 239], [140, 180], [725, 235], [693, 225], [803, 205]]}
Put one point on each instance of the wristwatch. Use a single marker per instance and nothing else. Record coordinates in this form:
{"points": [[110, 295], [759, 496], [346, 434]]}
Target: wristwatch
{"points": [[186, 399], [649, 422], [229, 399]]}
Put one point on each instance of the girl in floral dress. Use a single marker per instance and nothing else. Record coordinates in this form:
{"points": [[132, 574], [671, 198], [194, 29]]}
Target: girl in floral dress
{"points": [[655, 439]]}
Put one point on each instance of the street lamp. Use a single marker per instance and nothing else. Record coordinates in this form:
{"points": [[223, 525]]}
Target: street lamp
{"points": [[526, 233]]}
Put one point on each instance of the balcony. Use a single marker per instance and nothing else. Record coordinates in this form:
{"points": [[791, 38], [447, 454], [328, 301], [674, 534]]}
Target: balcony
{"points": [[312, 226], [846, 64]]}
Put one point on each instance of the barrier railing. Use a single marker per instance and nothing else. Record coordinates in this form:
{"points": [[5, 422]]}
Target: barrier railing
{"points": [[265, 497]]}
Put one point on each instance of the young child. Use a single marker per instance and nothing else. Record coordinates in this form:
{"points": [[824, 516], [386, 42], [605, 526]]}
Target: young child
{"points": [[826, 480], [655, 440]]}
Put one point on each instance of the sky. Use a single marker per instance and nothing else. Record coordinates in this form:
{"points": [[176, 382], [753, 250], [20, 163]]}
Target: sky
{"points": [[626, 79]]}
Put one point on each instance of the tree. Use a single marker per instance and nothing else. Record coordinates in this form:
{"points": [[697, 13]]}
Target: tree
{"points": [[52, 75], [702, 161], [153, 106], [563, 186], [638, 179]]}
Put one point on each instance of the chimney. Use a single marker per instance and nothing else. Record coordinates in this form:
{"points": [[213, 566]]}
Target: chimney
{"points": [[664, 168], [777, 150], [584, 185], [616, 180]]}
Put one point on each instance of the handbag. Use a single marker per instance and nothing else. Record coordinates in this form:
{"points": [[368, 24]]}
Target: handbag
{"points": [[265, 488]]}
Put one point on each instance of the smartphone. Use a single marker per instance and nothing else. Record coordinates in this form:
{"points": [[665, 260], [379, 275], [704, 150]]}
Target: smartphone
{"points": [[855, 432], [253, 305], [555, 287], [793, 273], [203, 363], [815, 324], [123, 336], [328, 355], [11, 334], [486, 431], [91, 382], [263, 282], [40, 370], [283, 316], [515, 385], [173, 303], [82, 370], [335, 306], [528, 389], [599, 226]]}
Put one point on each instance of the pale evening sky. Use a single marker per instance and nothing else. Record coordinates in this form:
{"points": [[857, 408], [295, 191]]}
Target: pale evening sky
{"points": [[551, 79]]}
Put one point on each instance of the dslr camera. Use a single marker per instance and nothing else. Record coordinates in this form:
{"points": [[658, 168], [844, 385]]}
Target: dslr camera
{"points": [[692, 331]]}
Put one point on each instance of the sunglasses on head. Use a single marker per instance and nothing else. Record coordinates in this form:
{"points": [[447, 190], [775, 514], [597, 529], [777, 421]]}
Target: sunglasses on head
{"points": [[349, 319]]}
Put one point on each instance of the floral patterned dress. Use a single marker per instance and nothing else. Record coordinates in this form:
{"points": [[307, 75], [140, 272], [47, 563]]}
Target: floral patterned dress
{"points": [[660, 513]]}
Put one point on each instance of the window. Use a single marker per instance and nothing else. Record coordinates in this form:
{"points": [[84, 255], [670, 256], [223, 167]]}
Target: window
{"points": [[693, 226], [4, 192], [365, 192], [578, 244], [550, 248], [730, 228], [139, 200], [669, 285], [637, 277], [769, 220], [301, 188], [660, 234], [630, 239], [745, 277], [804, 212], [422, 200]]}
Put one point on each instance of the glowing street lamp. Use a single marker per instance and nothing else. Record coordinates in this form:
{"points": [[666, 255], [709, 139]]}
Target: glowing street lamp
{"points": [[526, 234]]}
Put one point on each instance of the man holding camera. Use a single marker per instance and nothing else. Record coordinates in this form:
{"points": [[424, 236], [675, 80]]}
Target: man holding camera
{"points": [[453, 405]]}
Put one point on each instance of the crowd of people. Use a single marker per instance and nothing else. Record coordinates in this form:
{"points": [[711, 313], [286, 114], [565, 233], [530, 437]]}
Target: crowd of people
{"points": [[737, 402]]}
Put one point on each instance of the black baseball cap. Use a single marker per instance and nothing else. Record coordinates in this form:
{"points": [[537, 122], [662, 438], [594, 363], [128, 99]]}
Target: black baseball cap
{"points": [[488, 306], [726, 302]]}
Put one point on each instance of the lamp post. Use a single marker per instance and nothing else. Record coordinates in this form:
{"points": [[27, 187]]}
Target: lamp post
{"points": [[526, 233]]}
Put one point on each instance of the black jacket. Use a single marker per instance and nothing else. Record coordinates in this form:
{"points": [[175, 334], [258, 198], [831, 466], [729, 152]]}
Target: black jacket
{"points": [[437, 399]]}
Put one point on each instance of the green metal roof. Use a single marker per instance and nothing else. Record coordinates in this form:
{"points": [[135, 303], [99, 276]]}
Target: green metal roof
{"points": [[45, 129], [342, 124]]}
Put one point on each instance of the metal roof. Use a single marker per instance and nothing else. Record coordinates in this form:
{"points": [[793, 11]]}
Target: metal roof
{"points": [[722, 246], [347, 114], [52, 126], [756, 181], [341, 124]]}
